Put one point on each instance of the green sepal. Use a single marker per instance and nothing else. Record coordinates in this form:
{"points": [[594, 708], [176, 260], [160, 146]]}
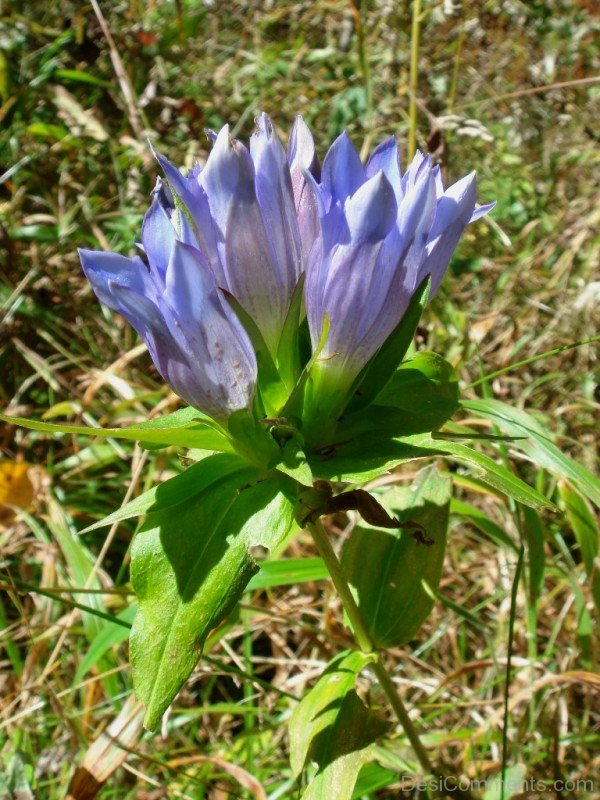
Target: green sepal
{"points": [[288, 349]]}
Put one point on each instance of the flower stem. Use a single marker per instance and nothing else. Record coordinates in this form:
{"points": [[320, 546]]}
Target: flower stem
{"points": [[334, 568], [363, 640]]}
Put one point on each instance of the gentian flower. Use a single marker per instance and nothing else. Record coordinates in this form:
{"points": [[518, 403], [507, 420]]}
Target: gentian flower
{"points": [[228, 229], [223, 249], [381, 234], [196, 341]]}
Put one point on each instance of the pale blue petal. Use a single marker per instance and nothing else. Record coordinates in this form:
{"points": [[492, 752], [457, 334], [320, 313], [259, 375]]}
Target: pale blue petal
{"points": [[276, 201], [102, 268], [372, 210], [386, 158], [343, 171]]}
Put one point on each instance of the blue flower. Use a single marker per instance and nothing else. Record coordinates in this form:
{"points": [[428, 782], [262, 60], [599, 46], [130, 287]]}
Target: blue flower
{"points": [[196, 341], [381, 234], [224, 247]]}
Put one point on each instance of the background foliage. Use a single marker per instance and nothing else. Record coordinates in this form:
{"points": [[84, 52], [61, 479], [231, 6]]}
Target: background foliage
{"points": [[504, 87]]}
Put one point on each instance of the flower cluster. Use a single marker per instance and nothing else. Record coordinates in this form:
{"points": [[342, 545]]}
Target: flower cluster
{"points": [[224, 247]]}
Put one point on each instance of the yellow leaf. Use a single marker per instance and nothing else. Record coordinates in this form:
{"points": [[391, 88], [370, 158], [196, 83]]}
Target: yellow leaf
{"points": [[18, 488]]}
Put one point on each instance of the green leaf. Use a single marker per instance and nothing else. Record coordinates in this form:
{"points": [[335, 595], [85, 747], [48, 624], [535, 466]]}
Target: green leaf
{"points": [[538, 445], [493, 474], [80, 563], [184, 428], [288, 571], [172, 493], [533, 530], [333, 728], [78, 76], [394, 575], [110, 635], [586, 531], [420, 396], [366, 457], [480, 520], [382, 366], [191, 563]]}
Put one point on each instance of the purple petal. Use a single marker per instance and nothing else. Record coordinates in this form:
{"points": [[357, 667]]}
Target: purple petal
{"points": [[276, 201], [482, 210], [228, 171], [415, 170], [102, 268], [386, 158], [208, 331], [415, 217], [144, 315], [372, 210], [343, 171], [452, 214], [158, 236], [304, 174], [193, 197], [301, 153]]}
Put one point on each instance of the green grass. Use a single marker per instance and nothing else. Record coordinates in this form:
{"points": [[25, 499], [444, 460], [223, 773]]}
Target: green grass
{"points": [[76, 171]]}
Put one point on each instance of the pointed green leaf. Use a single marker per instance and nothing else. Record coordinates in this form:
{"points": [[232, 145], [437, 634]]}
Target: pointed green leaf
{"points": [[538, 445], [366, 457], [394, 573], [288, 571], [585, 528], [172, 493], [184, 428], [191, 563], [533, 531], [493, 474], [421, 395], [480, 520], [332, 727]]}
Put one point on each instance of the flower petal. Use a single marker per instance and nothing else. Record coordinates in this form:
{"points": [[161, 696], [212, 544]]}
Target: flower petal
{"points": [[276, 201], [372, 210], [482, 210], [305, 171], [158, 235], [301, 153], [386, 158], [343, 171], [217, 347], [452, 214], [102, 268]]}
